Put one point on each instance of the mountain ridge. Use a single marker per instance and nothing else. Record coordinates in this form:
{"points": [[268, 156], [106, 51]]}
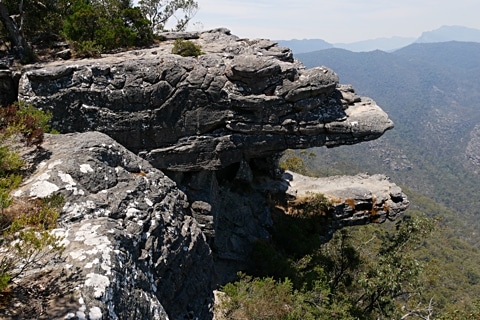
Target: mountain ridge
{"points": [[388, 44]]}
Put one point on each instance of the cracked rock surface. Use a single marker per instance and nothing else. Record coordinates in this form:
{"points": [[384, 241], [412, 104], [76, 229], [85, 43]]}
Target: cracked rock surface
{"points": [[242, 99]]}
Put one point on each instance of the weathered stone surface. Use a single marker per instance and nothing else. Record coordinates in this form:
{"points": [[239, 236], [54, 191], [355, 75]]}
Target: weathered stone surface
{"points": [[130, 240], [243, 99], [356, 200], [232, 212]]}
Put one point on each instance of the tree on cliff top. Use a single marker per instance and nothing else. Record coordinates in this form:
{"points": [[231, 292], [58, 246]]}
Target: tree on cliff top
{"points": [[90, 25], [160, 12], [19, 45]]}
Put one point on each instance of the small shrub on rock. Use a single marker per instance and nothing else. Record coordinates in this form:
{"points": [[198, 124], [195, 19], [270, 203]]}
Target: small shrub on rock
{"points": [[186, 48]]}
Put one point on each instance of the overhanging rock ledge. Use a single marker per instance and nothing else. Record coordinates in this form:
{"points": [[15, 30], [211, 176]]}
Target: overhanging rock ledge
{"points": [[242, 99]]}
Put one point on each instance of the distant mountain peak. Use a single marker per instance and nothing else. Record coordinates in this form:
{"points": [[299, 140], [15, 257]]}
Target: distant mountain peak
{"points": [[450, 33], [305, 45]]}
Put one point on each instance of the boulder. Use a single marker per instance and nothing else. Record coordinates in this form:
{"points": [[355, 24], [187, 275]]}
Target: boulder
{"points": [[132, 248]]}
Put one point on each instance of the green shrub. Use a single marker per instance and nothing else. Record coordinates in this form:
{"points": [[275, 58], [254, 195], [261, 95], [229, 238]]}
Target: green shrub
{"points": [[26, 120], [10, 162], [87, 49], [297, 161], [27, 240], [186, 48], [81, 25], [94, 30], [255, 298]]}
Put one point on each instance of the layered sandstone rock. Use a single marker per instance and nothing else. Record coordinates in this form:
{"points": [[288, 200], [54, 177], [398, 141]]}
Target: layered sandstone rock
{"points": [[132, 248], [242, 99]]}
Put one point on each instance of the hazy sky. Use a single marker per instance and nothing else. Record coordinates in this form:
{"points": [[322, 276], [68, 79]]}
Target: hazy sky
{"points": [[334, 20]]}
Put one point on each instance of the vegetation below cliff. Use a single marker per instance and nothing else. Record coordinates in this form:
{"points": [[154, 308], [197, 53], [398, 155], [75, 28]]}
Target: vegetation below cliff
{"points": [[417, 267], [431, 92]]}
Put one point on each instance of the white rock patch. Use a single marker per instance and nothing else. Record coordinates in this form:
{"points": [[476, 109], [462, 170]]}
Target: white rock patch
{"points": [[86, 168], [66, 178], [95, 313], [42, 189], [51, 165], [98, 282]]}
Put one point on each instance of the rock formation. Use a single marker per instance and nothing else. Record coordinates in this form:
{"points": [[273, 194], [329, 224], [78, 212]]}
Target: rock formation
{"points": [[243, 99], [130, 239], [355, 200], [144, 243]]}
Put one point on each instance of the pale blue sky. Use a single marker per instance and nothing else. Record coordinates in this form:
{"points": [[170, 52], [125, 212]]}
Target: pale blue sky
{"points": [[334, 20]]}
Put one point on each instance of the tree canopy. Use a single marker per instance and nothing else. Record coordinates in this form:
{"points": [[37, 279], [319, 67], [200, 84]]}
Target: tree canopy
{"points": [[90, 26]]}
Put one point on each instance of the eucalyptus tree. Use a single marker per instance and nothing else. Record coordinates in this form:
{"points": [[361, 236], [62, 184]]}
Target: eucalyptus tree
{"points": [[162, 12]]}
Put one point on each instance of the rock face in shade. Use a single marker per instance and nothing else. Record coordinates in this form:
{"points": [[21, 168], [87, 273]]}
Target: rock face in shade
{"points": [[131, 244], [8, 89], [242, 99]]}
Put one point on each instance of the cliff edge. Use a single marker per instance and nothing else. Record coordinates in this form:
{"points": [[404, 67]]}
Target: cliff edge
{"points": [[168, 165], [242, 99]]}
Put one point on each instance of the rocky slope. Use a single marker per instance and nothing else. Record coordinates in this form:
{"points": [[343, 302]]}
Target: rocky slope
{"points": [[144, 243], [130, 239]]}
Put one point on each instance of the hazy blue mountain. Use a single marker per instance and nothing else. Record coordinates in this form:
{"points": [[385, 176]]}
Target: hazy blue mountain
{"points": [[305, 45], [450, 33], [384, 44], [432, 93], [442, 34], [309, 45]]}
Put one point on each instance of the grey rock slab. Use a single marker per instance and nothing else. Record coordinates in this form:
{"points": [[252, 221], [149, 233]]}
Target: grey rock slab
{"points": [[242, 99], [356, 199]]}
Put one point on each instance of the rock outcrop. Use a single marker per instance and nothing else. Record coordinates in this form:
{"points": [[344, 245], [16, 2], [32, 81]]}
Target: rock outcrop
{"points": [[355, 200], [144, 243], [130, 239], [242, 99]]}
